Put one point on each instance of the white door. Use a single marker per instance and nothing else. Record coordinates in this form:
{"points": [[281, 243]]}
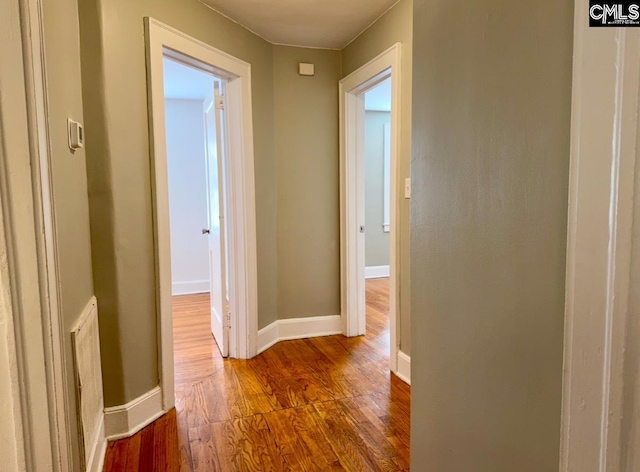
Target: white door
{"points": [[214, 127]]}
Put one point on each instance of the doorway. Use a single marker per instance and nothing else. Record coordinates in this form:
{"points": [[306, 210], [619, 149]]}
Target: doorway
{"points": [[377, 184], [219, 224], [196, 167], [380, 76]]}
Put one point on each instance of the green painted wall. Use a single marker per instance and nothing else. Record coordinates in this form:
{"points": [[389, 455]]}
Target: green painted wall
{"points": [[307, 153], [490, 168]]}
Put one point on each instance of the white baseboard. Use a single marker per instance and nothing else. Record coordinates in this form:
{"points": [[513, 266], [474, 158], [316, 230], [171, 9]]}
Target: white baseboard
{"points": [[376, 272], [404, 367], [268, 336], [126, 420], [298, 328], [98, 450], [190, 287]]}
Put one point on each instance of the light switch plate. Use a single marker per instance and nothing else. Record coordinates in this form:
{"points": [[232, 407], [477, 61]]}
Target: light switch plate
{"points": [[76, 135], [407, 188]]}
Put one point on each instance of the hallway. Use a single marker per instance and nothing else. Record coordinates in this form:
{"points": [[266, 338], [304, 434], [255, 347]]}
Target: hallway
{"points": [[315, 404]]}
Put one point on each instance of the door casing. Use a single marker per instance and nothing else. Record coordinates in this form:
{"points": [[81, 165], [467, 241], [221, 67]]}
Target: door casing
{"points": [[164, 41], [352, 264]]}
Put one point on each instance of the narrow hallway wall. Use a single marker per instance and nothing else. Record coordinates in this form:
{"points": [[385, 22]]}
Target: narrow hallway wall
{"points": [[491, 134]]}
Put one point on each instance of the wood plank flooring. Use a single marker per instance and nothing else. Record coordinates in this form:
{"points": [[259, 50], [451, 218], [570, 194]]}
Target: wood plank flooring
{"points": [[308, 405]]}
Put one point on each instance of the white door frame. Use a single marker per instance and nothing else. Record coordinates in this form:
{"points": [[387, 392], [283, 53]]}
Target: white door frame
{"points": [[604, 149], [28, 241], [162, 40], [352, 252]]}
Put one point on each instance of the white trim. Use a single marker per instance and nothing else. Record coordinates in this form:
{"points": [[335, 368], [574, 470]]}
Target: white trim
{"points": [[312, 327], [126, 420], [268, 336], [298, 328], [98, 450], [604, 134], [404, 367], [352, 265], [190, 287], [376, 272], [243, 279]]}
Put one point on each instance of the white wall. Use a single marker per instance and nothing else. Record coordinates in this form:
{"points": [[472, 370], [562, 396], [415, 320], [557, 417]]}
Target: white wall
{"points": [[187, 195]]}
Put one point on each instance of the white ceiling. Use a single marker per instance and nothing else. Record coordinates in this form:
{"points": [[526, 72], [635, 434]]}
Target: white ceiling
{"points": [[185, 82], [379, 98], [329, 24]]}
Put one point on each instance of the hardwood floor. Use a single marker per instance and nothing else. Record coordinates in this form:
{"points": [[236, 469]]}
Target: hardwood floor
{"points": [[308, 405]]}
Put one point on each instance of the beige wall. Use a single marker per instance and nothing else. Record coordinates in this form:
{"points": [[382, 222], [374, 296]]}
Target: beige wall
{"points": [[491, 123], [395, 26], [69, 174], [307, 152], [376, 251]]}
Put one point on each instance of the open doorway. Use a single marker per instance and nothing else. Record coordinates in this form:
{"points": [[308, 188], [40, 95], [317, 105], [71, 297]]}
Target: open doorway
{"points": [[379, 77], [214, 205], [195, 124], [377, 185]]}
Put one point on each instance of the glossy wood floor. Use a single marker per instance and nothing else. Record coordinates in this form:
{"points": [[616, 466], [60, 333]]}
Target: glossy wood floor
{"points": [[310, 405]]}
